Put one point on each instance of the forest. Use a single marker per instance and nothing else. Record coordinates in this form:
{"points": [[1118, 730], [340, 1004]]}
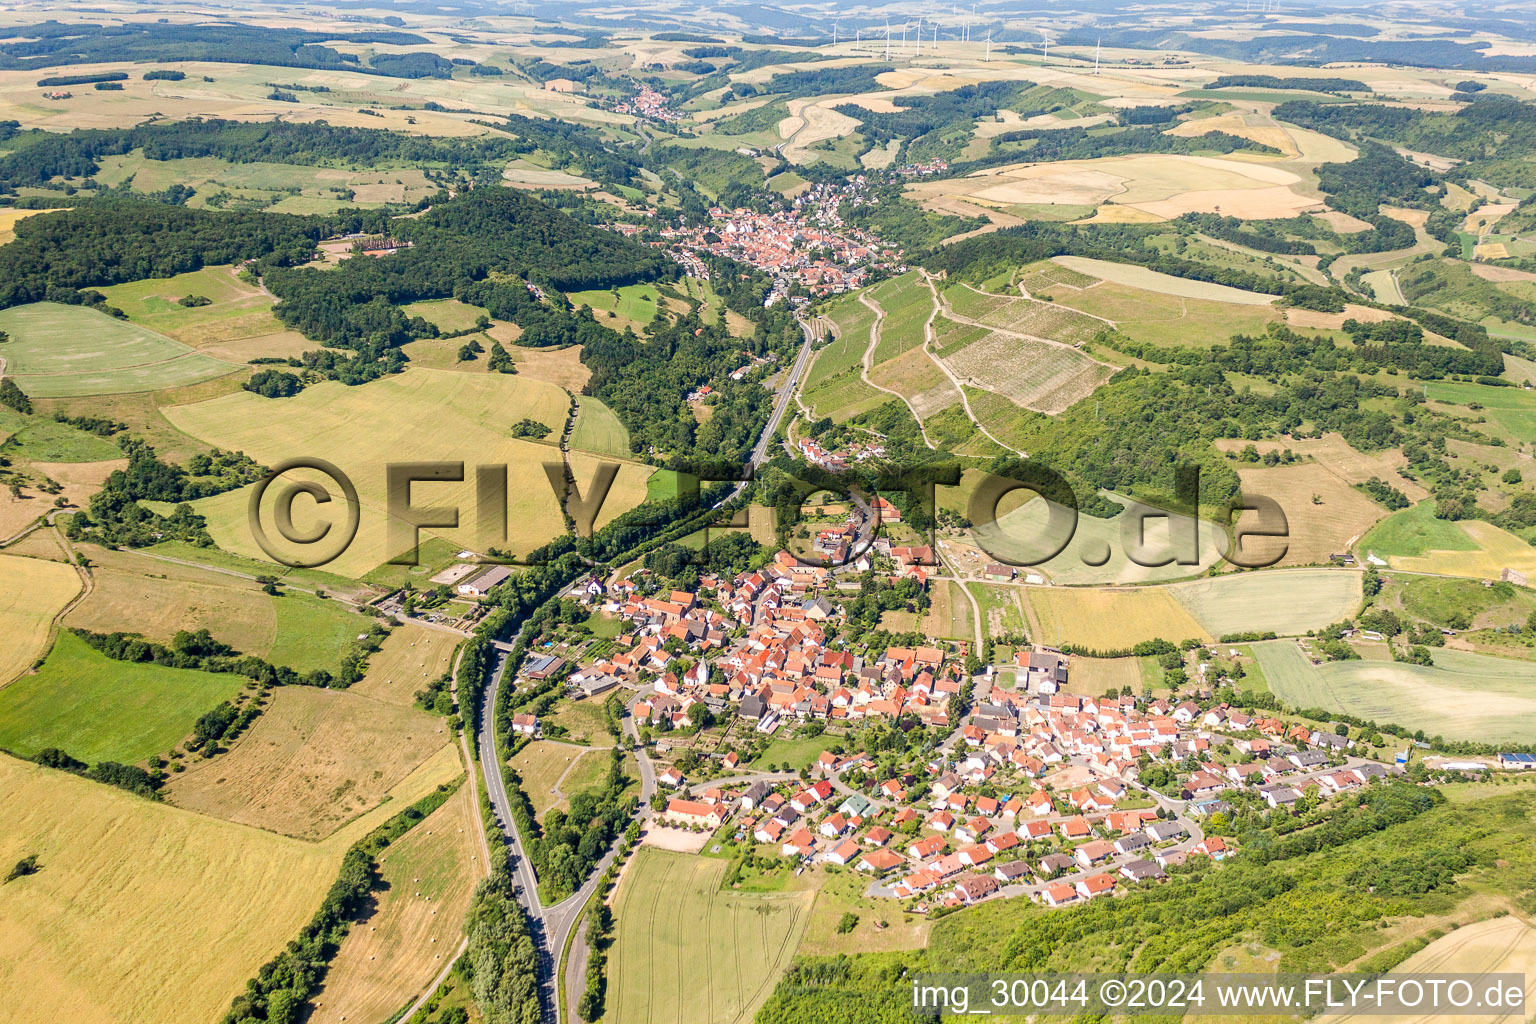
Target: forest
{"points": [[37, 157], [1492, 136], [54, 43]]}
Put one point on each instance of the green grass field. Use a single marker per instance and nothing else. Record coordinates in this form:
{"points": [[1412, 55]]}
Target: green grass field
{"points": [[42, 439], [313, 633], [1287, 602], [797, 753], [688, 952], [153, 301], [448, 315], [635, 304], [98, 709], [67, 351], [598, 429], [1513, 409], [1414, 532], [1463, 697]]}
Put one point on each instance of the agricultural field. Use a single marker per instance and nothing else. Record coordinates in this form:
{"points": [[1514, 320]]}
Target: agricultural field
{"points": [[1141, 188], [59, 351], [1288, 602], [1324, 514], [1462, 697], [689, 952], [116, 868], [391, 957], [598, 429], [417, 415], [97, 709], [1151, 280], [35, 592], [134, 593], [235, 309], [1107, 619], [313, 761], [1027, 532], [1034, 374], [1499, 945], [1098, 676], [407, 661]]}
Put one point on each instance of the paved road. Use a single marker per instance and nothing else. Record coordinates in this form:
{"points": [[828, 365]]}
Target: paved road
{"points": [[786, 393], [551, 926]]}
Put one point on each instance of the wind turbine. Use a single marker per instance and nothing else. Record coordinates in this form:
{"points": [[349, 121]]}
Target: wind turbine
{"points": [[919, 50], [1045, 56], [887, 39], [834, 32], [1096, 46], [989, 44]]}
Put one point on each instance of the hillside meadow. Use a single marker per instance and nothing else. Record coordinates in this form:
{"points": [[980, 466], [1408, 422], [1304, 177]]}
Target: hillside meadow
{"points": [[156, 598], [393, 956]]}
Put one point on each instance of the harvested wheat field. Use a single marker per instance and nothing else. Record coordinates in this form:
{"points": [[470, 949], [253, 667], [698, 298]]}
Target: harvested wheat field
{"points": [[34, 592], [1037, 375], [418, 415], [1161, 185], [156, 599], [1304, 318], [1324, 514], [1153, 281], [314, 760], [1098, 676], [394, 954], [410, 658], [1254, 127], [1108, 619], [1493, 551], [120, 874], [1500, 945]]}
